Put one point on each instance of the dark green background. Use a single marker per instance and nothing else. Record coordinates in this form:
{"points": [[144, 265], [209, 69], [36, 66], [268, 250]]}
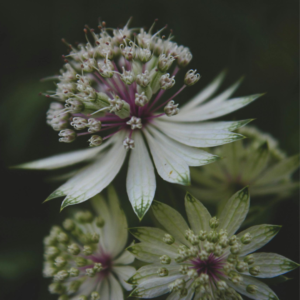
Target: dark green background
{"points": [[258, 39]]}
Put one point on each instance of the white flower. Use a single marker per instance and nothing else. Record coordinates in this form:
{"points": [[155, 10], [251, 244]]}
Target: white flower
{"points": [[86, 258], [121, 94], [205, 260], [256, 162]]}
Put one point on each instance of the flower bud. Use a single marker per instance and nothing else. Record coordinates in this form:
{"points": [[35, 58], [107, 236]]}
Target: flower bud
{"points": [[67, 136], [95, 296], [94, 125], [191, 78], [74, 105], [73, 249], [184, 57], [213, 223], [143, 79], [165, 260], [73, 272], [141, 99], [128, 143], [246, 238], [202, 235], [87, 250], [144, 55], [69, 225], [98, 267], [128, 52], [56, 288], [95, 141], [106, 69], [84, 217], [249, 259], [251, 288], [135, 122], [168, 239], [166, 82], [79, 123], [90, 272], [60, 261], [80, 261], [162, 272], [165, 62], [236, 248], [254, 270], [127, 77], [241, 266], [61, 275], [171, 109], [100, 222]]}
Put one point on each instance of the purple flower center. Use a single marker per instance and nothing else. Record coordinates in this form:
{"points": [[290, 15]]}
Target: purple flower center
{"points": [[212, 266]]}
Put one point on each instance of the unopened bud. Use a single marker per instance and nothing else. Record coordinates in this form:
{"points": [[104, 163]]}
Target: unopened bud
{"points": [[95, 296], [141, 99], [135, 122], [246, 238], [74, 105], [171, 109], [165, 62], [143, 79], [128, 143], [106, 69], [80, 261], [100, 222], [79, 123], [166, 82], [94, 125], [168, 239], [73, 249], [98, 267], [213, 223], [90, 272], [162, 272], [165, 260], [61, 275], [251, 288], [87, 250], [249, 259], [60, 261], [95, 141], [191, 78], [127, 77], [84, 217], [69, 225], [254, 270], [73, 272], [67, 135], [144, 55]]}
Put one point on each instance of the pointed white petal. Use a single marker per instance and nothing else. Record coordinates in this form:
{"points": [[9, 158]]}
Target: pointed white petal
{"points": [[205, 93], [93, 179], [63, 160], [214, 109], [235, 211], [118, 224], [192, 156], [153, 236], [140, 180], [123, 274], [197, 213], [193, 135], [125, 258], [256, 163], [261, 235], [115, 290], [154, 287], [171, 220], [263, 291], [272, 264], [280, 170], [169, 166], [150, 253], [150, 271]]}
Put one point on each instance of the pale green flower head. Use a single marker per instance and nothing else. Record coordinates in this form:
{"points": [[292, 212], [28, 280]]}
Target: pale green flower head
{"points": [[115, 92], [256, 162], [86, 256], [206, 259]]}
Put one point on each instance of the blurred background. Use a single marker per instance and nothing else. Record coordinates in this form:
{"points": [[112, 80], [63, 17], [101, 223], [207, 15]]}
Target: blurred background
{"points": [[258, 39]]}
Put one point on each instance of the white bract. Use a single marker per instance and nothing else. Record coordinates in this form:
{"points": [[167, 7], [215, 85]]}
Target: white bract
{"points": [[115, 87], [86, 258], [205, 260], [256, 162]]}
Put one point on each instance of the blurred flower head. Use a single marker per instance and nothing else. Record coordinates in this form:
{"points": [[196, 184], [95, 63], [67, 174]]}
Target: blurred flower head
{"points": [[112, 92], [256, 162], [86, 257], [205, 260]]}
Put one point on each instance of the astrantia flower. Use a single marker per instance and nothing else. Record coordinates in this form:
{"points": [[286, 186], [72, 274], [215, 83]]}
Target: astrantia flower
{"points": [[86, 258], [256, 161], [206, 260], [111, 92]]}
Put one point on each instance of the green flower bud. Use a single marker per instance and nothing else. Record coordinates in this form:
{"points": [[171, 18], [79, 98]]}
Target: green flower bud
{"points": [[254, 270], [251, 288], [69, 225], [162, 272], [213, 223], [74, 249]]}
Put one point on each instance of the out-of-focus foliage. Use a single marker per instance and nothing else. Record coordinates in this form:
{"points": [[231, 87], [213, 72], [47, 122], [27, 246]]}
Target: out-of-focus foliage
{"points": [[258, 39]]}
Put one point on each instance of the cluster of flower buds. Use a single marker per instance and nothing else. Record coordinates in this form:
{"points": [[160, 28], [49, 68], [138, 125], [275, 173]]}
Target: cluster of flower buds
{"points": [[117, 80], [72, 255]]}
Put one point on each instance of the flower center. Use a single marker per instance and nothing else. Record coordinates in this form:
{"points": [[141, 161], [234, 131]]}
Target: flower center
{"points": [[211, 266]]}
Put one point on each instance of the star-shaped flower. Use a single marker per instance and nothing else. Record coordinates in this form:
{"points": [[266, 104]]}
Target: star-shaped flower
{"points": [[115, 86], [205, 260], [86, 258]]}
